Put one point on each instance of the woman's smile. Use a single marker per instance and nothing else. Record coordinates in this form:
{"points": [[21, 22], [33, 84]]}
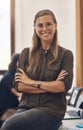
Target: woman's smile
{"points": [[45, 34]]}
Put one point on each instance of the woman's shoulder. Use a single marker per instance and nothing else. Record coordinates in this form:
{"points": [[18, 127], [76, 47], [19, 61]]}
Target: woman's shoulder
{"points": [[65, 50]]}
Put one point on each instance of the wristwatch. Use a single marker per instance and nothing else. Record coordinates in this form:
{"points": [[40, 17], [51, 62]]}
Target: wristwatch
{"points": [[39, 84]]}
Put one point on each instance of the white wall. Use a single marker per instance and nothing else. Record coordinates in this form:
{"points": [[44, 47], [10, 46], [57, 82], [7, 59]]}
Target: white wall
{"points": [[65, 13]]}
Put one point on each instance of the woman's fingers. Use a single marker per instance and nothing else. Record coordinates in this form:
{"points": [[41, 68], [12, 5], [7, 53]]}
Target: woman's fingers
{"points": [[21, 71], [62, 75], [63, 72], [19, 75]]}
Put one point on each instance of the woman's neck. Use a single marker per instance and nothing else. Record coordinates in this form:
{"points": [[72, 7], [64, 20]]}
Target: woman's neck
{"points": [[46, 45]]}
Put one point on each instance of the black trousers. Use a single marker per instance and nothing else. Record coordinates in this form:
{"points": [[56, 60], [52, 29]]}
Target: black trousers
{"points": [[33, 119]]}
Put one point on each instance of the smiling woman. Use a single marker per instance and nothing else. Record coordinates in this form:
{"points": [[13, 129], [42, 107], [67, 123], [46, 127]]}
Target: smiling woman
{"points": [[44, 76], [5, 33]]}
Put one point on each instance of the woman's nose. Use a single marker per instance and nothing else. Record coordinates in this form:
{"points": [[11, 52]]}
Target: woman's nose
{"points": [[44, 27]]}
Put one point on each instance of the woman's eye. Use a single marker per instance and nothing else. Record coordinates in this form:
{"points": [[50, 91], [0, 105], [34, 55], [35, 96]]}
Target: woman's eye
{"points": [[49, 24], [40, 25]]}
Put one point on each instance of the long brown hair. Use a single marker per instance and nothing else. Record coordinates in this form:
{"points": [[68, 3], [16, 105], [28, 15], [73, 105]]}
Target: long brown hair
{"points": [[34, 57]]}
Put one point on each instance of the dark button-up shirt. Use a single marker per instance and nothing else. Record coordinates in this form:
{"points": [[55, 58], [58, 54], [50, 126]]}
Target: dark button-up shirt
{"points": [[53, 103]]}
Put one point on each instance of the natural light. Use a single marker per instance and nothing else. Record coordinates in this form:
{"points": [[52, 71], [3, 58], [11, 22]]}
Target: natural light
{"points": [[4, 34]]}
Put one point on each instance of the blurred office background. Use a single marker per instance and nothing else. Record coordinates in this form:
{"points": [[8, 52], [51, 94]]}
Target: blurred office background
{"points": [[69, 18]]}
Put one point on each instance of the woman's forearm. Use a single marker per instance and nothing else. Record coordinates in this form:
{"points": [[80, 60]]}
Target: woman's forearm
{"points": [[50, 86], [53, 86], [32, 86], [14, 91], [29, 89]]}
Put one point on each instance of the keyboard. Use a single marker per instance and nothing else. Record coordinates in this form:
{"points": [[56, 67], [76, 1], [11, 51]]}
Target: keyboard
{"points": [[65, 128], [72, 114]]}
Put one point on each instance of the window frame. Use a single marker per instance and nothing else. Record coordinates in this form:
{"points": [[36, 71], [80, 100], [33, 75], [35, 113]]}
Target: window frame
{"points": [[12, 31]]}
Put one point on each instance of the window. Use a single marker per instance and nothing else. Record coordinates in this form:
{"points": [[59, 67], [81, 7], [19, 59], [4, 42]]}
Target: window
{"points": [[6, 33]]}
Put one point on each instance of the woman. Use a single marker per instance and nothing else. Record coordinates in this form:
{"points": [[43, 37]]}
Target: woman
{"points": [[8, 94], [44, 76]]}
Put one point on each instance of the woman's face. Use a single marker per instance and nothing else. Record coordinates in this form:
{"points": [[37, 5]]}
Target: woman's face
{"points": [[45, 28]]}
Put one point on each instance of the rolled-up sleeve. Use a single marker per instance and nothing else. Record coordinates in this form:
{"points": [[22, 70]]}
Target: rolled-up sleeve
{"points": [[68, 66], [23, 62]]}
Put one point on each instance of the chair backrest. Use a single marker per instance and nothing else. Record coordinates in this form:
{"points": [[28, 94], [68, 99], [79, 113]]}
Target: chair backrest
{"points": [[76, 96], [79, 102]]}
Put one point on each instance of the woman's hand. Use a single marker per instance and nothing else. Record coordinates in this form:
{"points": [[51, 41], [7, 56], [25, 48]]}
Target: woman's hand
{"points": [[20, 76], [62, 75]]}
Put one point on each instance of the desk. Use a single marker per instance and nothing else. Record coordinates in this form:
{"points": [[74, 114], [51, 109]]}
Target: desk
{"points": [[71, 123]]}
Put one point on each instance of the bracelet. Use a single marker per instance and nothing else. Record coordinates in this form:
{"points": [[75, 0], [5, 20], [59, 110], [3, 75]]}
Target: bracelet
{"points": [[39, 84]]}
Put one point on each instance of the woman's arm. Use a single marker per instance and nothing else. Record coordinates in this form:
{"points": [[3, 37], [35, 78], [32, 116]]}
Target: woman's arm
{"points": [[29, 89], [28, 85], [18, 94]]}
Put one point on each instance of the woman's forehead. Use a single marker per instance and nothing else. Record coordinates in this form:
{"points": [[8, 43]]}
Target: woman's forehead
{"points": [[45, 18]]}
